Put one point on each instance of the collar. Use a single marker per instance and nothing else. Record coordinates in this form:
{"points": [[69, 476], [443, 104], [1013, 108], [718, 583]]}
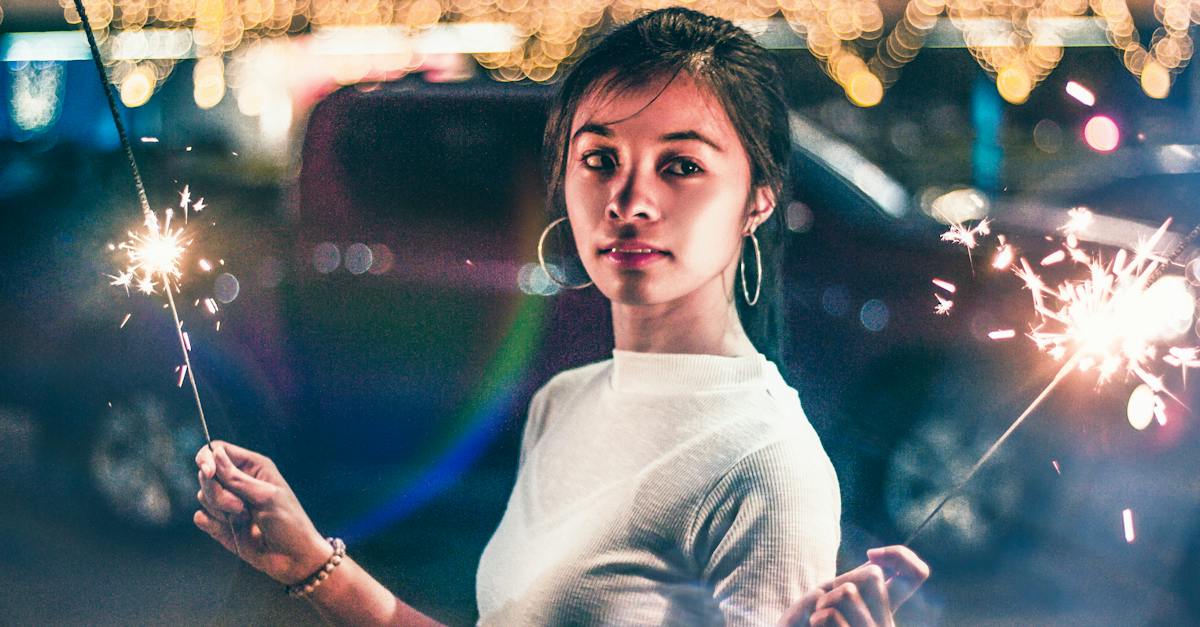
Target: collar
{"points": [[677, 372]]}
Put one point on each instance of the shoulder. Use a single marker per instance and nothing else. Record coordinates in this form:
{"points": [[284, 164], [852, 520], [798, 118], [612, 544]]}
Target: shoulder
{"points": [[567, 384], [561, 390], [791, 468]]}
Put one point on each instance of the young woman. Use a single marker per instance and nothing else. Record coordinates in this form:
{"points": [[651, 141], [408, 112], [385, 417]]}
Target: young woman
{"points": [[678, 482]]}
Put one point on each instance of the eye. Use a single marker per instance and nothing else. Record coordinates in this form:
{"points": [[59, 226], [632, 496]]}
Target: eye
{"points": [[598, 160], [684, 167]]}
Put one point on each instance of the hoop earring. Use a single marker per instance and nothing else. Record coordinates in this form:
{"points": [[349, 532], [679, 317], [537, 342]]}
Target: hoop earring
{"points": [[742, 267], [542, 259]]}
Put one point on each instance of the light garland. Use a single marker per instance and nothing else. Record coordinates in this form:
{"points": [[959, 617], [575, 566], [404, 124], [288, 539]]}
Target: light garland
{"points": [[1013, 40]]}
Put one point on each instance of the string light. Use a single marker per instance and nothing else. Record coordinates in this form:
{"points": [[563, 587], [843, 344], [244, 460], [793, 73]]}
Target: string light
{"points": [[1019, 42]]}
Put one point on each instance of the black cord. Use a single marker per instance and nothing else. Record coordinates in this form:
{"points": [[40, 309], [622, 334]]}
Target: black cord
{"points": [[112, 106]]}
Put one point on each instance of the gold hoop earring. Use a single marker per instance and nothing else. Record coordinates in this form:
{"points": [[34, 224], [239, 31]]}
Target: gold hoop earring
{"points": [[742, 267], [542, 259]]}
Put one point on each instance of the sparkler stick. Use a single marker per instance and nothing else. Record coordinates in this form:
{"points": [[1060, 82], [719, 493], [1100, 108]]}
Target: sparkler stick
{"points": [[150, 219], [1062, 374]]}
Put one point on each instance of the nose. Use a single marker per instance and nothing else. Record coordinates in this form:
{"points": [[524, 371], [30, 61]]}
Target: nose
{"points": [[633, 198]]}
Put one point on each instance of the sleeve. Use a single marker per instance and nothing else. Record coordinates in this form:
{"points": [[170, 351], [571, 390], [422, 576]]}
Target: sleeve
{"points": [[768, 531]]}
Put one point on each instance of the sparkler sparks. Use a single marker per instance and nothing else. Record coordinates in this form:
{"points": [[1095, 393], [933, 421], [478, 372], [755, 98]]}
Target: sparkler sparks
{"points": [[1127, 519], [946, 285], [1079, 219], [961, 234], [1113, 320], [943, 305], [152, 254], [1004, 254]]}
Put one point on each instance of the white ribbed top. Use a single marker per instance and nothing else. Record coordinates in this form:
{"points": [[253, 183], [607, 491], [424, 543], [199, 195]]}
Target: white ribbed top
{"points": [[663, 489]]}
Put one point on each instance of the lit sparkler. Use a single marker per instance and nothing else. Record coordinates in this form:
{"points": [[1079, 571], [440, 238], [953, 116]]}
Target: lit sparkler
{"points": [[1111, 321], [154, 254]]}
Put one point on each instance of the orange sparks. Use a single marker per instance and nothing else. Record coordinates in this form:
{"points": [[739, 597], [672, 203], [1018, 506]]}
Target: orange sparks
{"points": [[1127, 517], [943, 305], [1002, 334], [205, 265], [211, 305], [1078, 220], [946, 285], [1004, 257], [1054, 257], [124, 320], [1054, 462]]}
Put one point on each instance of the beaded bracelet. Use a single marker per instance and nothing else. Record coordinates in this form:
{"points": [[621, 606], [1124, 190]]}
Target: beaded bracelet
{"points": [[305, 587]]}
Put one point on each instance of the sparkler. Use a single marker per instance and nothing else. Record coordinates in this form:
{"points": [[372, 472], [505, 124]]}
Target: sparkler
{"points": [[155, 253], [1112, 321]]}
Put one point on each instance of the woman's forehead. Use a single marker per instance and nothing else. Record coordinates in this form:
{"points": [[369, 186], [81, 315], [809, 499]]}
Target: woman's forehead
{"points": [[680, 105]]}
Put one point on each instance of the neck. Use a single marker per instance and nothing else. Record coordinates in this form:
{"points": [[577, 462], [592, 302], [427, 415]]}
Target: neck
{"points": [[698, 324]]}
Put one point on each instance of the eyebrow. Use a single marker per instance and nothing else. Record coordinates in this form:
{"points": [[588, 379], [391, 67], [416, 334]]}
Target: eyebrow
{"points": [[689, 135]]}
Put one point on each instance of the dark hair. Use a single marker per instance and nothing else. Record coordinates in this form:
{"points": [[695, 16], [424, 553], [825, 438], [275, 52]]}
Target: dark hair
{"points": [[743, 77]]}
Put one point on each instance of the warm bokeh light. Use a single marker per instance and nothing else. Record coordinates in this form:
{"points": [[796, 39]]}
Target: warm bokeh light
{"points": [[1018, 42], [1014, 84], [137, 87], [865, 89], [1156, 80], [208, 78], [1102, 134]]}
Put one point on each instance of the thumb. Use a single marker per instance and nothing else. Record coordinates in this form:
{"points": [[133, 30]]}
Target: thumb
{"points": [[255, 491]]}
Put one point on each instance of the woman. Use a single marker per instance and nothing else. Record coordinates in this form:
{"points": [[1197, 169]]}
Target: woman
{"points": [[678, 482]]}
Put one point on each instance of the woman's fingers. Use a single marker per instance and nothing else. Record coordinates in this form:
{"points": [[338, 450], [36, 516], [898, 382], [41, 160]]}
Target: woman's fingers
{"points": [[216, 498], [870, 582], [828, 617], [905, 571], [256, 492], [849, 603], [217, 528]]}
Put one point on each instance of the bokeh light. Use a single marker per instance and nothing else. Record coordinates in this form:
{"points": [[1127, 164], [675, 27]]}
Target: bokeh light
{"points": [[1141, 406], [358, 258], [137, 86], [1014, 84], [1048, 136], [874, 315], [226, 287], [326, 257], [1156, 80], [1102, 134]]}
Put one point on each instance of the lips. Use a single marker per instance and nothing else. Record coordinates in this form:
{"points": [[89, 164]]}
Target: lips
{"points": [[632, 254]]}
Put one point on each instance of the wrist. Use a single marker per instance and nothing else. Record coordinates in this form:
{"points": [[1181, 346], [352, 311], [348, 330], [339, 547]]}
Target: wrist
{"points": [[320, 551], [306, 586]]}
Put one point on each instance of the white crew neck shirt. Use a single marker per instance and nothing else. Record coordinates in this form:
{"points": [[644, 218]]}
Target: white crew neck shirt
{"points": [[663, 489]]}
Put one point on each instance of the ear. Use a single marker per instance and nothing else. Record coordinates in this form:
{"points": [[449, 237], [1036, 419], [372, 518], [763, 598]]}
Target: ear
{"points": [[762, 205]]}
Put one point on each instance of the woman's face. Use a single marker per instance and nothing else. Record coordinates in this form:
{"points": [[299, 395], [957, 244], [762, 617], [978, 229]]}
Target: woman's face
{"points": [[658, 193]]}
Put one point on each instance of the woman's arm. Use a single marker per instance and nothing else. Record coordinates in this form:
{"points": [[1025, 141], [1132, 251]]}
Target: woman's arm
{"points": [[767, 532], [275, 535]]}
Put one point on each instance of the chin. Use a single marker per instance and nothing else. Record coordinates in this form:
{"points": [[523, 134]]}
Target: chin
{"points": [[635, 293]]}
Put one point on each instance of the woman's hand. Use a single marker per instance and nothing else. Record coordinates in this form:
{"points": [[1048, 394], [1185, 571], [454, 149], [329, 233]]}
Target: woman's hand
{"points": [[242, 492], [864, 597]]}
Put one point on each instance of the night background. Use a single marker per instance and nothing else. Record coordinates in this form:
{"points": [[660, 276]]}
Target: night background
{"points": [[373, 318]]}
